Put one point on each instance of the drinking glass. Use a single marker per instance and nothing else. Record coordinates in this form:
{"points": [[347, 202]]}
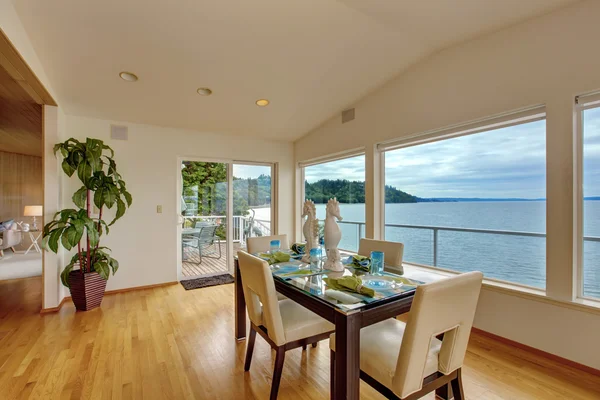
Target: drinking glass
{"points": [[275, 246], [377, 262], [315, 259]]}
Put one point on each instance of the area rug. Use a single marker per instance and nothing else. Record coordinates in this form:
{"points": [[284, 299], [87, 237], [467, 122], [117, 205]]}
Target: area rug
{"points": [[15, 266], [199, 283]]}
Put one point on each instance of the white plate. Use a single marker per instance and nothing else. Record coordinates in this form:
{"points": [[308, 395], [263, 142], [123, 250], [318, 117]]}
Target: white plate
{"points": [[377, 283]]}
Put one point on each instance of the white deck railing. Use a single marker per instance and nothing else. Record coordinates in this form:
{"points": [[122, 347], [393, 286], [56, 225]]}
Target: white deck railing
{"points": [[241, 225], [360, 229]]}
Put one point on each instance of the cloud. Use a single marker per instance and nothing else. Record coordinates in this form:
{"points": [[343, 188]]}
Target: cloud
{"points": [[507, 162], [250, 171], [352, 169]]}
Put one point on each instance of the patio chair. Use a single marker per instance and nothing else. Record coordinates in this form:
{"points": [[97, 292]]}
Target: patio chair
{"points": [[206, 241]]}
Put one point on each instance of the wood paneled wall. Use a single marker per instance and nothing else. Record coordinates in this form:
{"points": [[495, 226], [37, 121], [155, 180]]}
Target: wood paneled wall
{"points": [[20, 185]]}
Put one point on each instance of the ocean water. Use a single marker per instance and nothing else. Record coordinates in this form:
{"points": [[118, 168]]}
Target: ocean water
{"points": [[512, 258]]}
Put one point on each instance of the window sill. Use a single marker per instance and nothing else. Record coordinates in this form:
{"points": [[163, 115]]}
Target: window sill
{"points": [[428, 274]]}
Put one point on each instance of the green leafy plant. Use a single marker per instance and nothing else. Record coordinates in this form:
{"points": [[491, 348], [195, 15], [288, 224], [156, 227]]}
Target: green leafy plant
{"points": [[103, 187]]}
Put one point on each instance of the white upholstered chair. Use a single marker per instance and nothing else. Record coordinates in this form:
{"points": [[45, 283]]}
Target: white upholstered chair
{"points": [[407, 361], [284, 324], [393, 251], [263, 243], [10, 238]]}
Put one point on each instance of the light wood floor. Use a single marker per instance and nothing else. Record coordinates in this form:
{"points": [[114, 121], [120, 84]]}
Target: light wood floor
{"points": [[191, 265], [168, 343]]}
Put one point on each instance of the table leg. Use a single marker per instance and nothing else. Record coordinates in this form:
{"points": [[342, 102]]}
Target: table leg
{"points": [[29, 248], [347, 356], [240, 304]]}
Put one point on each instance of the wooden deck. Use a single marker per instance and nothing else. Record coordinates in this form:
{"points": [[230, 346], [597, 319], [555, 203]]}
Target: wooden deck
{"points": [[192, 267]]}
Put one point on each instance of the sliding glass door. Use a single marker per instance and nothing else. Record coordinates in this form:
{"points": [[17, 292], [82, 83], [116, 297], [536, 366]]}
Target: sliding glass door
{"points": [[252, 194], [222, 204], [204, 218]]}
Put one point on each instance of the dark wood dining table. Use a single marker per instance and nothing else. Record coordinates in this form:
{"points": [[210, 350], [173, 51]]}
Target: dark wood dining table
{"points": [[348, 323]]}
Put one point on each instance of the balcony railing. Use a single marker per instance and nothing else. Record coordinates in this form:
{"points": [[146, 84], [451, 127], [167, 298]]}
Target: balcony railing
{"points": [[360, 229], [241, 225]]}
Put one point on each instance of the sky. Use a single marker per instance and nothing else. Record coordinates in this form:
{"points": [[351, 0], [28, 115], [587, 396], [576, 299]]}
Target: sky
{"points": [[503, 163], [250, 171]]}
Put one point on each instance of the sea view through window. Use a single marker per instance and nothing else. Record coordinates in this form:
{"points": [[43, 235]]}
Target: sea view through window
{"points": [[591, 202]]}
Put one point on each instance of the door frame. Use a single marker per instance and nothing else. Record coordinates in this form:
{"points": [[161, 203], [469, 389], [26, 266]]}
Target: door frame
{"points": [[229, 254]]}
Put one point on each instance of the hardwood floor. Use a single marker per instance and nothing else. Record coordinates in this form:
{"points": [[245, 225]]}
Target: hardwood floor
{"points": [[168, 343]]}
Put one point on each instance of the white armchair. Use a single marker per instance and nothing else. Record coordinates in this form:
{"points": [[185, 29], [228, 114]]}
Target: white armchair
{"points": [[9, 239]]}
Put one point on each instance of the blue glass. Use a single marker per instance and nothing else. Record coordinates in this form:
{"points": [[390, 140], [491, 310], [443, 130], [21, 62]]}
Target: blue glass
{"points": [[275, 245], [315, 259], [377, 262]]}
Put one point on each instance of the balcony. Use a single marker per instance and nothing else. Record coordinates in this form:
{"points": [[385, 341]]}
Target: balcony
{"points": [[243, 227]]}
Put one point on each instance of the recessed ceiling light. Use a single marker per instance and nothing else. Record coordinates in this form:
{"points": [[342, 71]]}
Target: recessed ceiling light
{"points": [[262, 102], [128, 76], [204, 91]]}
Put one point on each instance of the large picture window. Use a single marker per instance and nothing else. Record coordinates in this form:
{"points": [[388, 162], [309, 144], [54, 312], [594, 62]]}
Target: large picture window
{"points": [[473, 202], [345, 180], [591, 202]]}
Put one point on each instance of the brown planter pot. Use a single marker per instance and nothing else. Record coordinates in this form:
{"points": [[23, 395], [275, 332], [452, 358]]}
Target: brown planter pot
{"points": [[87, 290]]}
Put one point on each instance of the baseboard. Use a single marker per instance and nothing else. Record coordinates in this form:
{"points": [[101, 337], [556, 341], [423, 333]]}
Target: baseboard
{"points": [[131, 289], [109, 292], [538, 352], [55, 309]]}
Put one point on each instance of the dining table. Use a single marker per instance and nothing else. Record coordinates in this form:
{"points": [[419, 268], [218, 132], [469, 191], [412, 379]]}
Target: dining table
{"points": [[309, 288]]}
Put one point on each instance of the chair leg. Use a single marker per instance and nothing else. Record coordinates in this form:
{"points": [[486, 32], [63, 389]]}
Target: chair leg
{"points": [[250, 349], [277, 370], [444, 392], [331, 372], [457, 387], [303, 347], [314, 344]]}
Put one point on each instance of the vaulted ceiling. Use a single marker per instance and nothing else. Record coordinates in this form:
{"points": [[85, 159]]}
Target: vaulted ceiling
{"points": [[310, 58]]}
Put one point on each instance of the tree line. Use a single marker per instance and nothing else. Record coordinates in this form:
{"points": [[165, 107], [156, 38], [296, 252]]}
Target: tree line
{"points": [[350, 192]]}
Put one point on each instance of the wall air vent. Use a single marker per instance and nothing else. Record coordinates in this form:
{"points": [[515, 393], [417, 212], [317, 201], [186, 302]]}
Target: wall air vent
{"points": [[118, 132], [347, 115]]}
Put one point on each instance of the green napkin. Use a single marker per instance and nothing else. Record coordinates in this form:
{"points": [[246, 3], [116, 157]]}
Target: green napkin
{"points": [[298, 248], [361, 262], [349, 284], [278, 257]]}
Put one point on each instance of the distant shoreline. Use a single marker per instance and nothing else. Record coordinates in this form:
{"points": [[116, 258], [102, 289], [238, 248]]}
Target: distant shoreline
{"points": [[471, 200]]}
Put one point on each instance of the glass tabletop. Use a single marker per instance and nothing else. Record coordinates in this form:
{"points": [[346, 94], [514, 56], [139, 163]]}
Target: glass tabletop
{"points": [[386, 285]]}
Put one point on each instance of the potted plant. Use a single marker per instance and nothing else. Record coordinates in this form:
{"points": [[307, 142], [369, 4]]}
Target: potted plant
{"points": [[103, 187]]}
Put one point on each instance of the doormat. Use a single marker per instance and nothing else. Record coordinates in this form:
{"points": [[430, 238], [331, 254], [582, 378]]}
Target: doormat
{"points": [[199, 283]]}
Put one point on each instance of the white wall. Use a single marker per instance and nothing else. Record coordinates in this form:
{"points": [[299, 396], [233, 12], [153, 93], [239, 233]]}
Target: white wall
{"points": [[548, 61], [13, 28], [54, 128], [144, 242]]}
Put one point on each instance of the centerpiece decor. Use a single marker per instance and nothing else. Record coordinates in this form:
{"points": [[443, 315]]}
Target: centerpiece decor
{"points": [[103, 187], [310, 229], [333, 235]]}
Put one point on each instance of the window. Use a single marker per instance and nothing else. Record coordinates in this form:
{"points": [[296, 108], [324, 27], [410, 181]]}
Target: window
{"points": [[472, 199], [345, 180], [252, 192], [591, 201]]}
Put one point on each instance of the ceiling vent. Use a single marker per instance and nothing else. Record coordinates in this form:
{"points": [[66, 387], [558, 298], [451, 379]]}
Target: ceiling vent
{"points": [[118, 132], [347, 115]]}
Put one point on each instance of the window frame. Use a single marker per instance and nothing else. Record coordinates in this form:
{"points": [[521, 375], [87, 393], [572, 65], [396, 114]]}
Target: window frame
{"points": [[499, 121], [301, 165], [582, 103]]}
